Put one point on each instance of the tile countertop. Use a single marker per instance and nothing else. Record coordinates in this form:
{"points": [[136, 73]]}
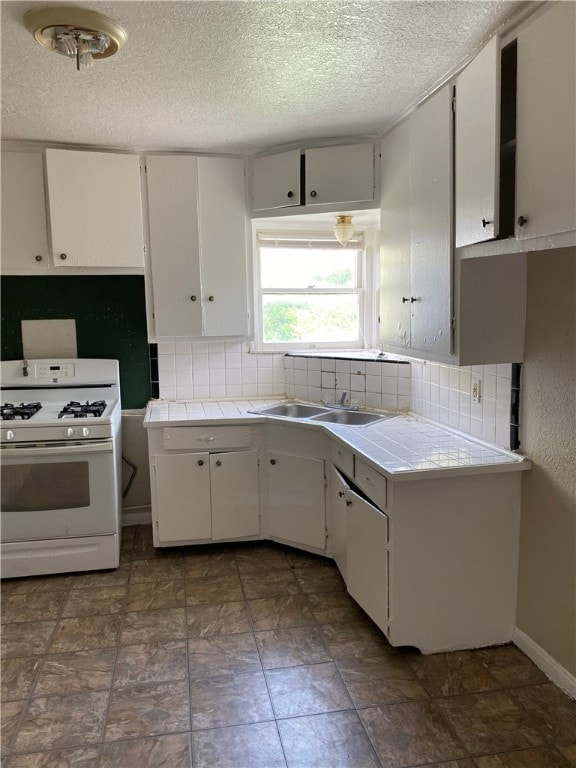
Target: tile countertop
{"points": [[404, 447]]}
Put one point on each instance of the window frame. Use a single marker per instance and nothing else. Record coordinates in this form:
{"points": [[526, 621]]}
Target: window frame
{"points": [[323, 236]]}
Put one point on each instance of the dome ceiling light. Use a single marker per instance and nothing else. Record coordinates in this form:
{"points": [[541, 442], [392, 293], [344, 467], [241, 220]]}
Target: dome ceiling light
{"points": [[343, 229], [78, 33]]}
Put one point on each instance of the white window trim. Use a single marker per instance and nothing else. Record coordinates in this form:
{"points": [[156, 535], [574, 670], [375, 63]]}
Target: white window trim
{"points": [[365, 276]]}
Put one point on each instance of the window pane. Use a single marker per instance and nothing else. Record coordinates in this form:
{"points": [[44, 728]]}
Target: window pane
{"points": [[310, 318], [308, 267]]}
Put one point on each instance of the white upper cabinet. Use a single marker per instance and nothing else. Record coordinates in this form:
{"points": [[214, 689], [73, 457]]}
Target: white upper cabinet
{"points": [[477, 147], [95, 209], [546, 124], [326, 178], [222, 237], [24, 232], [431, 224], [174, 259], [197, 225], [276, 180], [415, 229], [340, 174]]}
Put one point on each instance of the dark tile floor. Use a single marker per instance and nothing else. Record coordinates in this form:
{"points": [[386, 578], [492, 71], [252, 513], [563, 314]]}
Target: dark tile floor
{"points": [[251, 656]]}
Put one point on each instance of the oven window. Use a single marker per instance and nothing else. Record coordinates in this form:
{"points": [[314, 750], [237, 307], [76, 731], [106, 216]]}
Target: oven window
{"points": [[44, 487]]}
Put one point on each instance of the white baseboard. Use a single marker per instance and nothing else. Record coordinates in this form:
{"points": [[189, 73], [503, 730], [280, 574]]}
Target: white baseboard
{"points": [[136, 516], [551, 668]]}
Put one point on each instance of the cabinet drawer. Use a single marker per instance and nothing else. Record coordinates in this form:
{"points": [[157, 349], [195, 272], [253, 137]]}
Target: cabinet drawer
{"points": [[342, 458], [371, 482], [206, 438]]}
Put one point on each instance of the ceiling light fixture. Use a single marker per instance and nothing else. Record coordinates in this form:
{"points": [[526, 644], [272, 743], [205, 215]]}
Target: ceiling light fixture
{"points": [[343, 229], [78, 33]]}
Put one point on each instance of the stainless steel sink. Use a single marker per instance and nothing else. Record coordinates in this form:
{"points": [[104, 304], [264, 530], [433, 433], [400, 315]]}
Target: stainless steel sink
{"points": [[292, 410], [351, 418]]}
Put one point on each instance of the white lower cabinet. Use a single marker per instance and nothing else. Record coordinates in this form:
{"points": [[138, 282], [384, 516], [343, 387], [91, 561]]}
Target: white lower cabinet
{"points": [[296, 499], [205, 497], [336, 519], [181, 506], [367, 557]]}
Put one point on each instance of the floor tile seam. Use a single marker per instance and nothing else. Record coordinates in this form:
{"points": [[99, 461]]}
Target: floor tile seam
{"points": [[233, 725], [136, 738], [500, 689], [445, 722], [524, 749]]}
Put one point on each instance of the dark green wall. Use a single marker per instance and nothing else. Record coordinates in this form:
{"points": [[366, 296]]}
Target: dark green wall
{"points": [[110, 314]]}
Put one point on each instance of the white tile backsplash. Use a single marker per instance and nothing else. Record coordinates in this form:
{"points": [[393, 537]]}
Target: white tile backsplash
{"points": [[442, 393], [449, 402]]}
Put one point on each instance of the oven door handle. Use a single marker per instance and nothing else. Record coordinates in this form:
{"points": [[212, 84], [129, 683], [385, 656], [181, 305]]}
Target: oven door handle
{"points": [[58, 450]]}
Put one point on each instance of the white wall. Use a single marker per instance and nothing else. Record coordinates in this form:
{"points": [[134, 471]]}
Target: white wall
{"points": [[547, 574]]}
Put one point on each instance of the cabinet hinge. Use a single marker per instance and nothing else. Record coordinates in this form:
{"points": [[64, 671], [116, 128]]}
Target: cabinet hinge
{"points": [[453, 323], [144, 249], [143, 169], [454, 104]]}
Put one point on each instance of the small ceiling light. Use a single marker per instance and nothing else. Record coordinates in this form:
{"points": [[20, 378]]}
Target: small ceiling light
{"points": [[343, 229], [78, 33]]}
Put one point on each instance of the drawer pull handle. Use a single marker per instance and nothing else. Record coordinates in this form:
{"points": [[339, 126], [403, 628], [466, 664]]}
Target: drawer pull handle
{"points": [[522, 220], [341, 494], [485, 222], [348, 503]]}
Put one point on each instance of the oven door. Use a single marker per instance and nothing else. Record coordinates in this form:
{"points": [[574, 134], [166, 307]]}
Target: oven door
{"points": [[58, 490]]}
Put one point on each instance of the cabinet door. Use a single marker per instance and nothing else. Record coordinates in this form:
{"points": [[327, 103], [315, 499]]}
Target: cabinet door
{"points": [[183, 497], [24, 232], [276, 180], [546, 124], [222, 233], [477, 147], [367, 558], [297, 507], [174, 247], [340, 174], [95, 209], [430, 224], [336, 519], [234, 494], [395, 290]]}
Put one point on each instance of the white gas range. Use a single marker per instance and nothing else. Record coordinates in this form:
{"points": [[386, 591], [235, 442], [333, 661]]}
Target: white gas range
{"points": [[60, 454]]}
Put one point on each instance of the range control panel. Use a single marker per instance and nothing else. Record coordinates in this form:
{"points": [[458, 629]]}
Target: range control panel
{"points": [[54, 372]]}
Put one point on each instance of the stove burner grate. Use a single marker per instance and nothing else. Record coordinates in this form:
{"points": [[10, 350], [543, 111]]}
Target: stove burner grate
{"points": [[10, 412], [77, 410]]}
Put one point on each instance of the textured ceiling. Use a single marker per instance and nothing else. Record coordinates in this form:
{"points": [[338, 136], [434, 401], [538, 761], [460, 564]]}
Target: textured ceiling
{"points": [[239, 76]]}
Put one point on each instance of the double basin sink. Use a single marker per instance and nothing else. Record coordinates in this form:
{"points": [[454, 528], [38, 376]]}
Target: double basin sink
{"points": [[325, 415]]}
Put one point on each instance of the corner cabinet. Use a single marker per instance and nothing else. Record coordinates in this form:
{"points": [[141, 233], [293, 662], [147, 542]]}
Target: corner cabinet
{"points": [[24, 228], [319, 178], [197, 226], [95, 209], [463, 311], [416, 249]]}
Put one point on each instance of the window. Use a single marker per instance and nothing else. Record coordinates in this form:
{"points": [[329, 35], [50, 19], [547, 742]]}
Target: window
{"points": [[309, 291]]}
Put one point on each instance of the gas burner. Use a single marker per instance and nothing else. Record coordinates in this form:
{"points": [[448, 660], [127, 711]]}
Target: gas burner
{"points": [[9, 412], [76, 410]]}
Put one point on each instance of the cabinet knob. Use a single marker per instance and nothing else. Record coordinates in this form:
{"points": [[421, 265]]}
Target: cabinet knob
{"points": [[63, 256], [485, 222], [193, 298], [313, 193], [218, 463], [210, 298], [272, 461], [38, 258], [413, 299], [341, 494], [405, 299], [348, 503], [522, 220], [290, 194], [200, 463]]}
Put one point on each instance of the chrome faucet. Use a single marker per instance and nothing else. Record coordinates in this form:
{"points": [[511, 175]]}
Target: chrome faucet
{"points": [[341, 403], [342, 399]]}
